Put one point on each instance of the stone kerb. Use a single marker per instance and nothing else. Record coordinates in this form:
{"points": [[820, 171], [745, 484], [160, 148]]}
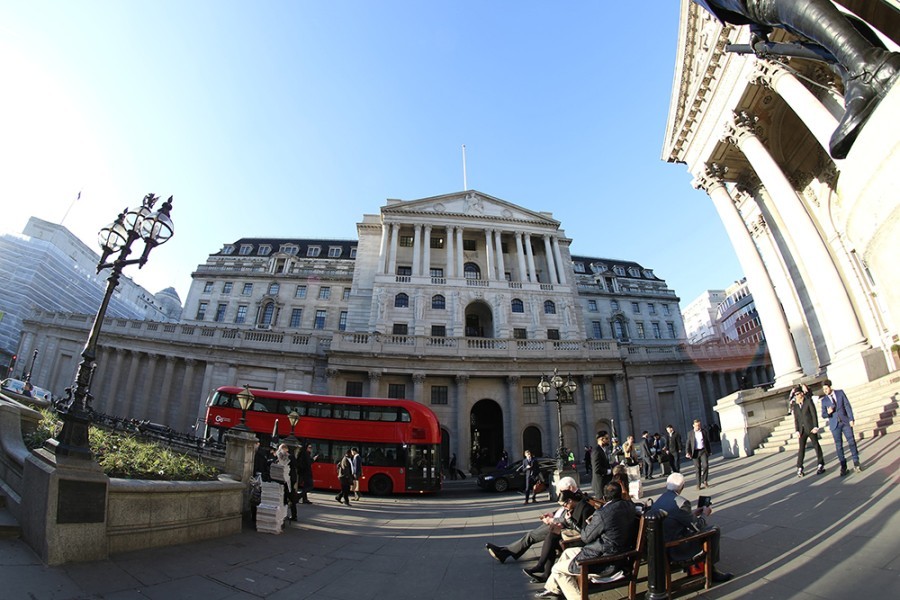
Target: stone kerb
{"points": [[748, 417]]}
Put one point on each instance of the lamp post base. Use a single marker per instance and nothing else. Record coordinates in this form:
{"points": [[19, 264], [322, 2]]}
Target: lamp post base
{"points": [[72, 440]]}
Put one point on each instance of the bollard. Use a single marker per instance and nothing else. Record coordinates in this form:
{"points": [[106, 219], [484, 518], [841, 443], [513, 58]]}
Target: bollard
{"points": [[656, 555]]}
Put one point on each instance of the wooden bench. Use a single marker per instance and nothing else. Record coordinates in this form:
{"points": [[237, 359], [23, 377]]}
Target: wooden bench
{"points": [[631, 561], [705, 539]]}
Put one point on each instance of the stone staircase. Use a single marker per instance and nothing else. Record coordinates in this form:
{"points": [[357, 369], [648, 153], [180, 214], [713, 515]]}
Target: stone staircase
{"points": [[874, 406], [9, 527]]}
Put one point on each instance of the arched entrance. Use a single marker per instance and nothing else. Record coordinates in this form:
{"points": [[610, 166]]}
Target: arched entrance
{"points": [[479, 320], [531, 440], [445, 448], [487, 434]]}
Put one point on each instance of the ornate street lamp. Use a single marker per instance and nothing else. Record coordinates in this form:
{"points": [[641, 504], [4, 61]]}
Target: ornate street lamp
{"points": [[294, 418], [31, 368], [565, 390], [140, 223], [245, 399]]}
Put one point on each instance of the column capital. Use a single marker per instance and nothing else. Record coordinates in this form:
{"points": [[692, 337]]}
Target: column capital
{"points": [[331, 372], [767, 72], [758, 227], [586, 380], [374, 375], [513, 379], [744, 125], [462, 379], [713, 176], [748, 183], [418, 378]]}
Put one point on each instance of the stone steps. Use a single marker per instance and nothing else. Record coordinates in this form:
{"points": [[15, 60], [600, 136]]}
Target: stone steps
{"points": [[9, 527], [875, 406]]}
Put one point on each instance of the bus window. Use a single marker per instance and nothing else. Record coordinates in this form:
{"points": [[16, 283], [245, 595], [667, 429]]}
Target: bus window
{"points": [[404, 415], [286, 408], [226, 400], [347, 411], [319, 410]]}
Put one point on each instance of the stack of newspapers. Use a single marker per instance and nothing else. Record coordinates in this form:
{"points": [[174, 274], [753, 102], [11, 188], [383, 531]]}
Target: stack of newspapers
{"points": [[272, 511]]}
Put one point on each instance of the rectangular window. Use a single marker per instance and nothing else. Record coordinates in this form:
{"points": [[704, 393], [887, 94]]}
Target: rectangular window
{"points": [[597, 330], [300, 292], [324, 293], [396, 390], [437, 272], [313, 251], [529, 394], [226, 287], [246, 249], [439, 394], [248, 289], [201, 310], [636, 308], [296, 316], [651, 308], [207, 287], [520, 333], [599, 392], [400, 329], [437, 242], [640, 330], [354, 389], [470, 245], [404, 271], [342, 321], [438, 331], [614, 304], [273, 289], [220, 312], [657, 334], [592, 305], [671, 329], [241, 315], [665, 308], [553, 334], [353, 252], [406, 241], [320, 319], [335, 251], [345, 294]]}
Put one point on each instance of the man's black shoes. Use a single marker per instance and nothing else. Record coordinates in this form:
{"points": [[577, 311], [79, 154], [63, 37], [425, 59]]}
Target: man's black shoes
{"points": [[720, 577], [534, 577], [498, 552]]}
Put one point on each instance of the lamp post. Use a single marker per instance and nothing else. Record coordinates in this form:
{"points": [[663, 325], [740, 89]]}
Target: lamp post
{"points": [[294, 418], [568, 386], [154, 228], [245, 399], [31, 368]]}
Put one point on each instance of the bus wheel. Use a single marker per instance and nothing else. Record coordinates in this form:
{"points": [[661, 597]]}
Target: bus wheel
{"points": [[380, 485], [501, 485]]}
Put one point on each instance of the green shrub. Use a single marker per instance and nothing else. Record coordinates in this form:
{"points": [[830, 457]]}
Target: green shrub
{"points": [[128, 457]]}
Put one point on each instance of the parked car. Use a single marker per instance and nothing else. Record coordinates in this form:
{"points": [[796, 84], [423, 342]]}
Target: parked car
{"points": [[40, 396], [512, 477]]}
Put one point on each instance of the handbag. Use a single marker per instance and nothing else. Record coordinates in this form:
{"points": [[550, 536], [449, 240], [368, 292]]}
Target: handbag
{"points": [[539, 487]]}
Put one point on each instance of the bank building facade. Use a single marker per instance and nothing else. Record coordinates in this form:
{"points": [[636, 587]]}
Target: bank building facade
{"points": [[461, 302]]}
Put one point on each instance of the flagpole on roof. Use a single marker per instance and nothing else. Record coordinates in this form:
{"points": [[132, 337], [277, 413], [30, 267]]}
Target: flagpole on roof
{"points": [[465, 185], [71, 204]]}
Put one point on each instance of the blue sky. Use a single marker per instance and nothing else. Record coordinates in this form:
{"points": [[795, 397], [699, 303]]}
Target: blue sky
{"points": [[293, 119]]}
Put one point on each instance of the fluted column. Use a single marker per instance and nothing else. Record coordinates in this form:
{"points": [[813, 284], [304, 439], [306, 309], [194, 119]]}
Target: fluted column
{"points": [[459, 256], [330, 381], [520, 257], [498, 252], [780, 343], [426, 252], [109, 403], [417, 250], [830, 293], [418, 380], [374, 385], [148, 397], [512, 437], [165, 392], [488, 254], [187, 395], [586, 391], [817, 118], [532, 274], [551, 264], [463, 431], [383, 249], [557, 254], [206, 388], [392, 260], [124, 408], [450, 252]]}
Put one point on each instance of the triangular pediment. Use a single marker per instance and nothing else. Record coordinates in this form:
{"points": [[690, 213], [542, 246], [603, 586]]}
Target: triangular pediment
{"points": [[470, 203]]}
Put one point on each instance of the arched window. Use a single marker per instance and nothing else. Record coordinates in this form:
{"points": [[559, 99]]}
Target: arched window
{"points": [[265, 317], [401, 301], [549, 307], [438, 302], [517, 306], [471, 271], [620, 329]]}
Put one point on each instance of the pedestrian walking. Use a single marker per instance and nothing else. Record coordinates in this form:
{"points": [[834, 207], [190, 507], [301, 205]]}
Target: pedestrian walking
{"points": [[356, 464], [675, 447], [806, 424], [345, 477], [837, 411], [698, 450]]}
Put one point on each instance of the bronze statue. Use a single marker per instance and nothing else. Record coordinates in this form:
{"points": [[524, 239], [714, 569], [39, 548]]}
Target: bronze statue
{"points": [[870, 70]]}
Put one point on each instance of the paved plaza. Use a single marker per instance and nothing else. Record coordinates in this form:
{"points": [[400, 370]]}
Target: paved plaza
{"points": [[783, 537]]}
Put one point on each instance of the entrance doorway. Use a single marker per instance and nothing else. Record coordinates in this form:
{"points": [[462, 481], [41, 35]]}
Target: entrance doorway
{"points": [[479, 320], [531, 440], [487, 434]]}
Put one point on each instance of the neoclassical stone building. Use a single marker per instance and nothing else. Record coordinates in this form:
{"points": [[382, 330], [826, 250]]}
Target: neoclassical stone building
{"points": [[459, 301], [816, 237]]}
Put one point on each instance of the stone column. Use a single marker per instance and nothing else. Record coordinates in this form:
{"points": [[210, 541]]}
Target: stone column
{"points": [[498, 250], [460, 272], [557, 255], [417, 250], [206, 389], [147, 397], [426, 252], [109, 403], [817, 118], [382, 249], [488, 254], [392, 259], [165, 392], [846, 340], [781, 346], [125, 406], [586, 391], [450, 252], [374, 385], [551, 264], [520, 257], [512, 429], [532, 273], [463, 430], [187, 395], [330, 376], [418, 380]]}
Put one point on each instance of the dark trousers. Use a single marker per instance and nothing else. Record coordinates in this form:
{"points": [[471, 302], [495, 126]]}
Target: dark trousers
{"points": [[647, 463], [549, 549], [701, 463], [845, 431], [538, 534], [529, 488], [344, 496], [801, 450]]}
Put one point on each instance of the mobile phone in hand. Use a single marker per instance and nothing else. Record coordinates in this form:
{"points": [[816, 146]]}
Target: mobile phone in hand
{"points": [[704, 501]]}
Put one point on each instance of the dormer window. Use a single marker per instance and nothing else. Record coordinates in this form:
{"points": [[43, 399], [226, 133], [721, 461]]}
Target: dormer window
{"points": [[228, 249], [246, 249], [313, 251], [619, 270], [264, 250], [579, 267], [353, 252], [335, 251], [634, 272], [288, 249]]}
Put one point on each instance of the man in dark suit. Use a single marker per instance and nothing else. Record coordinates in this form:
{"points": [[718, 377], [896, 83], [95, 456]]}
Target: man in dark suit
{"points": [[698, 450], [870, 70], [602, 473], [806, 424], [674, 446], [647, 455], [837, 411]]}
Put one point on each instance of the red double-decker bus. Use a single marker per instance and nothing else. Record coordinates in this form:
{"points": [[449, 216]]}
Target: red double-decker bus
{"points": [[399, 440]]}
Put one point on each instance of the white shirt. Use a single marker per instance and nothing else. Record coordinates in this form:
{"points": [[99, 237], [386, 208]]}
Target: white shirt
{"points": [[698, 439]]}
